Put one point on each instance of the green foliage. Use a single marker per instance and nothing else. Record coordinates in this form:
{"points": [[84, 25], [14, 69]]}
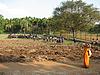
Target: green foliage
{"points": [[95, 29], [71, 16], [1, 24], [76, 16]]}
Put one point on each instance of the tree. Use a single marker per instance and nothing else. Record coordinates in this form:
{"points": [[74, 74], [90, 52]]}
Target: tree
{"points": [[24, 25], [95, 29], [1, 24], [16, 25], [76, 15]]}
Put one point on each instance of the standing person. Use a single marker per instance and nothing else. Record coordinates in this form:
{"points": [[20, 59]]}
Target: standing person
{"points": [[87, 55]]}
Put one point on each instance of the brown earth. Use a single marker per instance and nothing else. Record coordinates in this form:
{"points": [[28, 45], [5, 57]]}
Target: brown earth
{"points": [[38, 57]]}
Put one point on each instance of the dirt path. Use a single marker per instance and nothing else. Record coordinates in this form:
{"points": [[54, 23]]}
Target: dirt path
{"points": [[48, 68]]}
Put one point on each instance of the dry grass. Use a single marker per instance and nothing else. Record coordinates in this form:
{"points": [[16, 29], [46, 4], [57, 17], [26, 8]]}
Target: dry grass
{"points": [[83, 36], [3, 36], [86, 36]]}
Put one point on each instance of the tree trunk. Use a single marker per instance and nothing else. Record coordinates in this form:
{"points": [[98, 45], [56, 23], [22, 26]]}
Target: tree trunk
{"points": [[12, 31], [97, 36], [85, 36], [80, 35], [90, 36], [73, 32]]}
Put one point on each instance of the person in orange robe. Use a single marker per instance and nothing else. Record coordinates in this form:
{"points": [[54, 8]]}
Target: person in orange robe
{"points": [[87, 55]]}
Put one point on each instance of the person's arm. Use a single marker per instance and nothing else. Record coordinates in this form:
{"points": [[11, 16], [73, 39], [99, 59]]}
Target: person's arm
{"points": [[89, 53]]}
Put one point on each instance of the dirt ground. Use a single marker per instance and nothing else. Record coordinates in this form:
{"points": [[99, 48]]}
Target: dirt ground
{"points": [[48, 68], [42, 59]]}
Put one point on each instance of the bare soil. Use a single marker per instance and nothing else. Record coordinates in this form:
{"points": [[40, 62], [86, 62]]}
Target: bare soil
{"points": [[31, 57]]}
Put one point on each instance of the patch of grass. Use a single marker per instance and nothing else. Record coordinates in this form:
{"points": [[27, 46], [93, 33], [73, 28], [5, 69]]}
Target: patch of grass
{"points": [[67, 42], [3, 36]]}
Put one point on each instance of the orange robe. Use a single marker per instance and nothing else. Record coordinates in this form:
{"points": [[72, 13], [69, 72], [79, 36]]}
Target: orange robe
{"points": [[86, 57]]}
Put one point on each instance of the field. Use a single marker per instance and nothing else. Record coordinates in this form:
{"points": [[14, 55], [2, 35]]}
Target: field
{"points": [[29, 57], [83, 36]]}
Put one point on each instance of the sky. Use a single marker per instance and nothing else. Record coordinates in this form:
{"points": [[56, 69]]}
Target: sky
{"points": [[33, 8]]}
